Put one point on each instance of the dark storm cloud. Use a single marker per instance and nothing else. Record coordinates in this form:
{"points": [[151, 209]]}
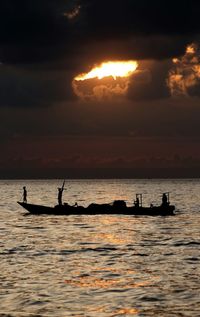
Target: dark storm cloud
{"points": [[122, 18], [195, 89], [35, 31], [68, 36], [150, 84], [25, 88], [139, 29], [32, 30]]}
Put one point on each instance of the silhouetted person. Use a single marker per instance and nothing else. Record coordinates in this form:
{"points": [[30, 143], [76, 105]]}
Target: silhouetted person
{"points": [[164, 200], [137, 202], [24, 195], [60, 192]]}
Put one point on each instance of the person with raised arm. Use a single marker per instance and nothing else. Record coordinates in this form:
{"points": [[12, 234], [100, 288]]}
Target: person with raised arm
{"points": [[60, 192]]}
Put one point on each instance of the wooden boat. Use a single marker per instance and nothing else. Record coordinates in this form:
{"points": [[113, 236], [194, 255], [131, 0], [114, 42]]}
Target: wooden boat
{"points": [[117, 207]]}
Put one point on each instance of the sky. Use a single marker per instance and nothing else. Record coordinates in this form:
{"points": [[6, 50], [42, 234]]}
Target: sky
{"points": [[57, 120]]}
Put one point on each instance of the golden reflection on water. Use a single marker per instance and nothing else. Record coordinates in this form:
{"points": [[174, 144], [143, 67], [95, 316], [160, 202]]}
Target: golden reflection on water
{"points": [[113, 270], [113, 238], [91, 282], [125, 311], [102, 283], [117, 312], [107, 220]]}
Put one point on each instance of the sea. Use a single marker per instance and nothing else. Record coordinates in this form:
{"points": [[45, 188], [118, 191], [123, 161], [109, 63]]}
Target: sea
{"points": [[104, 265]]}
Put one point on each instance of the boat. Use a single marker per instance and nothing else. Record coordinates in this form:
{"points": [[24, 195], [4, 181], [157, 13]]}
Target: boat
{"points": [[117, 207]]}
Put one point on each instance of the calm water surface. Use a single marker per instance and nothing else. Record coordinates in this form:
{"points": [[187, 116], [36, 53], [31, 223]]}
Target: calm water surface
{"points": [[100, 265]]}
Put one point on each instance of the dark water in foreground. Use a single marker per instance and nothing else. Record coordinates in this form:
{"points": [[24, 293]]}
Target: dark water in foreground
{"points": [[100, 265]]}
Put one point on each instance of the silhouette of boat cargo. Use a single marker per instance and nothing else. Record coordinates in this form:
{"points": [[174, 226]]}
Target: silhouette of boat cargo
{"points": [[117, 207]]}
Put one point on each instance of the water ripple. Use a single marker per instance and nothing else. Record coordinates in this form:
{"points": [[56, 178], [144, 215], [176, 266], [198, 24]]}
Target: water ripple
{"points": [[105, 266]]}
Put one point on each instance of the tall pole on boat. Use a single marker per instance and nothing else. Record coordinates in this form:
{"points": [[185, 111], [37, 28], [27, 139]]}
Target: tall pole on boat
{"points": [[167, 197], [63, 185]]}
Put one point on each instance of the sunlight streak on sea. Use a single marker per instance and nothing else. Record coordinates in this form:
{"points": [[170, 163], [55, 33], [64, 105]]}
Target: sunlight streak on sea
{"points": [[105, 266]]}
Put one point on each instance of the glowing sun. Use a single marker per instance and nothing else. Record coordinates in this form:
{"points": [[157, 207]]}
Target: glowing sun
{"points": [[105, 80], [114, 69]]}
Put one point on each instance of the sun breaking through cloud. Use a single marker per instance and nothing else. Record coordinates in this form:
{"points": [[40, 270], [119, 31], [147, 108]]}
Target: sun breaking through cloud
{"points": [[105, 81], [114, 69]]}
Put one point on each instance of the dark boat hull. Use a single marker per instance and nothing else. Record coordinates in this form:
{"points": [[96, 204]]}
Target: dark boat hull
{"points": [[95, 209]]}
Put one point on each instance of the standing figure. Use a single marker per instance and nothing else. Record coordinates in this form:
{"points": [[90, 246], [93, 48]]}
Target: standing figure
{"points": [[24, 195], [164, 200], [60, 192], [137, 202]]}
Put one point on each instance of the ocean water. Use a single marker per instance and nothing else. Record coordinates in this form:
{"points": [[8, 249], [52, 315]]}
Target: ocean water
{"points": [[102, 266]]}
